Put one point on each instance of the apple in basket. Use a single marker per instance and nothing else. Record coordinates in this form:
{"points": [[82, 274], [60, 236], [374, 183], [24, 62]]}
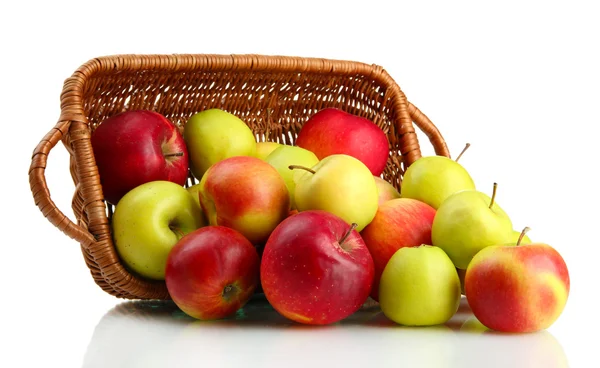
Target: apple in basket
{"points": [[333, 131], [136, 147]]}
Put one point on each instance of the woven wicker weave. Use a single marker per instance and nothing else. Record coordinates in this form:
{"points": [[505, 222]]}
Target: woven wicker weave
{"points": [[274, 95]]}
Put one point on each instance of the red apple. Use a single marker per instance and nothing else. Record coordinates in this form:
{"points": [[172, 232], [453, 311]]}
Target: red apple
{"points": [[316, 269], [246, 194], [522, 288], [212, 272], [333, 131], [398, 223], [137, 147]]}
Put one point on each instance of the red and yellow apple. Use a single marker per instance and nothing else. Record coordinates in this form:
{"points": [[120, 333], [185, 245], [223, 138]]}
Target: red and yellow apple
{"points": [[398, 223], [246, 194], [333, 131], [212, 272], [137, 147], [517, 288], [316, 269]]}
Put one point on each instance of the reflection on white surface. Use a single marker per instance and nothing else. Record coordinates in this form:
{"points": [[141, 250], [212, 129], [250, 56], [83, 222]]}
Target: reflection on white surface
{"points": [[157, 334]]}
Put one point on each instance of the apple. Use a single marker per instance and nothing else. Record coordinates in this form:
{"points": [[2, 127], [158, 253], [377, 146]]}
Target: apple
{"points": [[263, 149], [137, 147], [517, 288], [432, 179], [213, 135], [339, 184], [148, 221], [194, 190], [333, 131], [385, 190], [246, 194], [419, 287], [467, 222], [282, 157], [212, 272], [398, 223], [316, 269]]}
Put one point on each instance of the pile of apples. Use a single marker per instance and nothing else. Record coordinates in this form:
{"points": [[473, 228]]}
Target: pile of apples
{"points": [[314, 226]]}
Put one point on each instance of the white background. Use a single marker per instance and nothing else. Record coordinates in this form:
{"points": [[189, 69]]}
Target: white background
{"points": [[518, 80]]}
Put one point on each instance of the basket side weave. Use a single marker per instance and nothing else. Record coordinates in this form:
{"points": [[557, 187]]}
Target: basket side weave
{"points": [[274, 95]]}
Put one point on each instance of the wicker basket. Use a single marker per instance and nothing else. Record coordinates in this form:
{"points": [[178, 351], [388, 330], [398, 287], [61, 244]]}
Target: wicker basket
{"points": [[274, 95]]}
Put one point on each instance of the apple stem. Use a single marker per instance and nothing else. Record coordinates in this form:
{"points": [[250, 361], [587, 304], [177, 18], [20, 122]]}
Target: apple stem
{"points": [[176, 154], [292, 167], [463, 151], [525, 230], [352, 227], [493, 195]]}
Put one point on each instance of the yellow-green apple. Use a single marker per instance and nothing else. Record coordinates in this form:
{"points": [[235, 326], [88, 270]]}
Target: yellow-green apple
{"points": [[419, 287], [385, 190], [194, 190], [212, 272], [467, 222], [339, 184], [137, 147], [282, 157], [518, 234], [398, 223], [213, 135], [333, 131], [316, 269], [263, 149], [517, 288], [148, 221], [432, 179], [246, 194]]}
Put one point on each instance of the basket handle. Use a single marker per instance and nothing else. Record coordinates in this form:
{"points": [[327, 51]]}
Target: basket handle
{"points": [[430, 130], [39, 187]]}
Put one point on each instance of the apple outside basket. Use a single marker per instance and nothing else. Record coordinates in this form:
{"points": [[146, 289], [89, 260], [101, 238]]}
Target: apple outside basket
{"points": [[274, 95]]}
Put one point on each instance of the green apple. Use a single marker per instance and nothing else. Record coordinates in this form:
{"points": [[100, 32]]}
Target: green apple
{"points": [[339, 184], [419, 286], [263, 149], [213, 135], [148, 221], [284, 156], [432, 179], [467, 222]]}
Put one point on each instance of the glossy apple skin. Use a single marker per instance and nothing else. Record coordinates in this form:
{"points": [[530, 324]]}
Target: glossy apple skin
{"points": [[147, 223], [212, 272], [307, 277], [398, 223], [130, 148], [432, 179], [246, 194], [341, 185], [334, 131], [517, 288], [213, 135], [419, 287], [465, 224], [385, 190]]}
